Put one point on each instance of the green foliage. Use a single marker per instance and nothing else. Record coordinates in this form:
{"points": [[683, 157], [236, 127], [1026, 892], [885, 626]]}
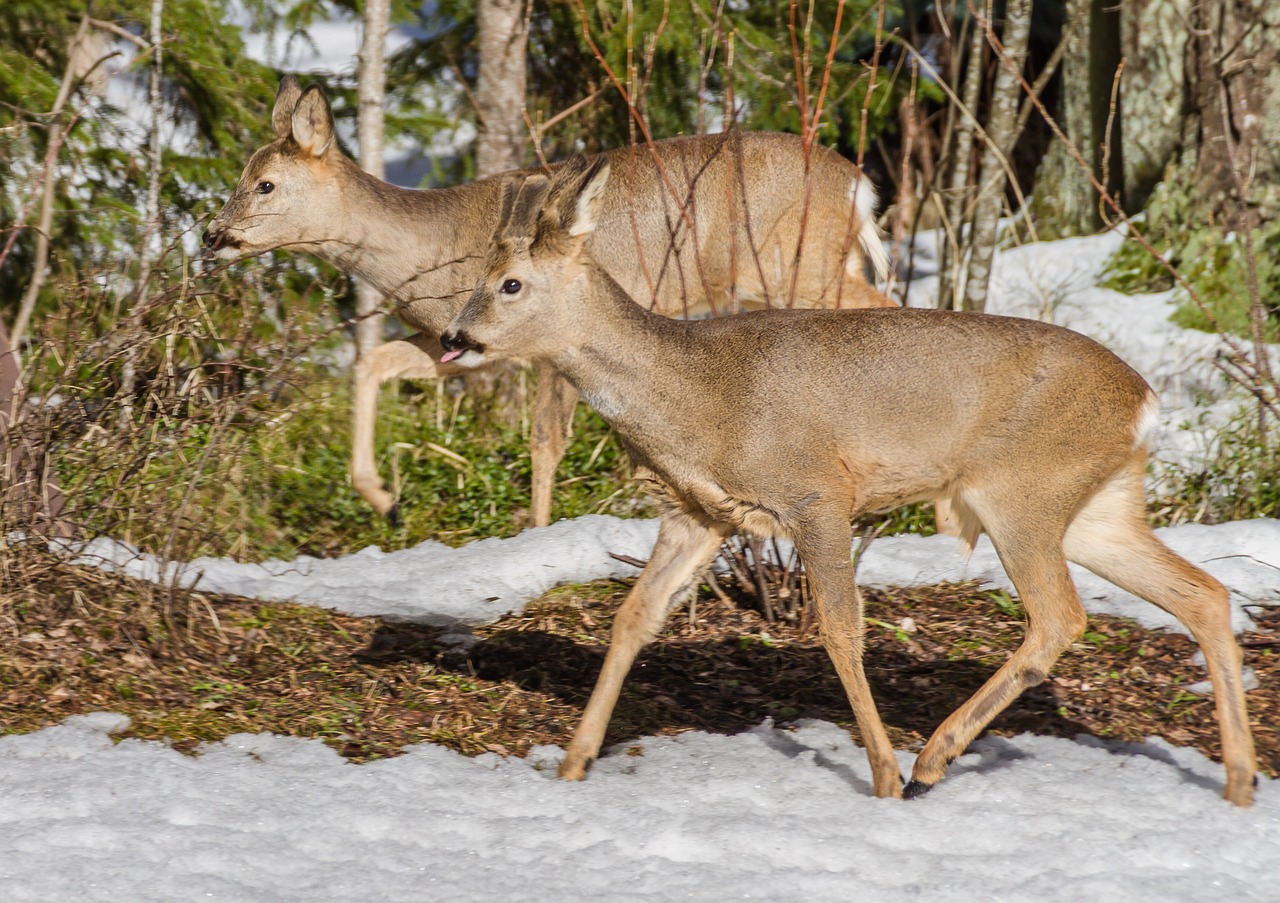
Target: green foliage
{"points": [[459, 475], [1240, 478], [216, 100], [1212, 260], [260, 470], [672, 58]]}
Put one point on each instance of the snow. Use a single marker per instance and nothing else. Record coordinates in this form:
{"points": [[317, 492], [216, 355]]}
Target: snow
{"points": [[477, 583], [774, 814], [768, 814]]}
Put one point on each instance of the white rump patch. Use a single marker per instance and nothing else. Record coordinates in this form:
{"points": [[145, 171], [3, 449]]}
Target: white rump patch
{"points": [[1148, 421], [863, 196]]}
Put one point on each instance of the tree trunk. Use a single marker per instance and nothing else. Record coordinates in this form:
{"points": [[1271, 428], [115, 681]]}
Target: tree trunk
{"points": [[1234, 67], [1154, 45], [1107, 113], [1001, 135], [147, 251], [49, 192], [958, 191], [28, 501], [1065, 201], [372, 89], [500, 88], [500, 142], [154, 149]]}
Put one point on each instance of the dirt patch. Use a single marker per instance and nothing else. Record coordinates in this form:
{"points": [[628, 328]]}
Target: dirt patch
{"points": [[189, 667]]}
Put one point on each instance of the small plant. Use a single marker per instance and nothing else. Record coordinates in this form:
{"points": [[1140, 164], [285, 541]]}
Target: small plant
{"points": [[1239, 479], [1211, 259]]}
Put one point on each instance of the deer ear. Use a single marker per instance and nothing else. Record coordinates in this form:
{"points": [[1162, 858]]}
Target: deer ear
{"points": [[581, 218], [312, 122], [286, 99], [510, 189]]}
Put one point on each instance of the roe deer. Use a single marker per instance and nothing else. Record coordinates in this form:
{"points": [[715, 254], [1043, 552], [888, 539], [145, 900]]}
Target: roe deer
{"points": [[793, 422], [693, 225]]}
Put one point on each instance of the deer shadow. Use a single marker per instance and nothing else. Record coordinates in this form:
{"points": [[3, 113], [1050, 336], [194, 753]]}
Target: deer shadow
{"points": [[727, 685]]}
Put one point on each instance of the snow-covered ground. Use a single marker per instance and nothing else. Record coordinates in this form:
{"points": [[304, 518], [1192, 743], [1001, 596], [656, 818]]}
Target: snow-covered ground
{"points": [[768, 814]]}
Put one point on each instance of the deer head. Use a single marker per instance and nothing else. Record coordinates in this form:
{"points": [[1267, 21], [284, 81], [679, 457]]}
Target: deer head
{"points": [[288, 184], [528, 301]]}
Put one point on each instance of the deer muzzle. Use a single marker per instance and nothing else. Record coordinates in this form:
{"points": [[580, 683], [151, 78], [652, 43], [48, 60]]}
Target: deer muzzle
{"points": [[455, 344], [217, 240]]}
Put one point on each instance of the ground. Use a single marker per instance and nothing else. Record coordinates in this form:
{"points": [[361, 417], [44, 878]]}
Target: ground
{"points": [[189, 667]]}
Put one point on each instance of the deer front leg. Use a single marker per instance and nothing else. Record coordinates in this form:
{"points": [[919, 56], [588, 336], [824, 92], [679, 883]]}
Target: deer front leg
{"points": [[553, 406], [825, 553], [416, 357], [684, 546]]}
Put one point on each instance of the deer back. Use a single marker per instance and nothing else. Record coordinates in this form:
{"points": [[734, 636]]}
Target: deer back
{"points": [[693, 225]]}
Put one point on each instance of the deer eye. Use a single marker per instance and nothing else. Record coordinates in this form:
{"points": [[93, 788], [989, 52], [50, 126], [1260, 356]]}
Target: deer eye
{"points": [[265, 188], [510, 286]]}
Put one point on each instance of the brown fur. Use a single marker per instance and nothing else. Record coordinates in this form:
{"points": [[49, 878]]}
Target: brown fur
{"points": [[423, 249], [793, 422]]}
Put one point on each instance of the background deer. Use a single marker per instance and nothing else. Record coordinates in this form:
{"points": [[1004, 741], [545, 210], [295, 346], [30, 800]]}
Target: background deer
{"points": [[692, 225], [793, 422]]}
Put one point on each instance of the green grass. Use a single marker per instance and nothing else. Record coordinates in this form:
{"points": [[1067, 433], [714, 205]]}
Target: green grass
{"points": [[458, 472], [1212, 260], [274, 484]]}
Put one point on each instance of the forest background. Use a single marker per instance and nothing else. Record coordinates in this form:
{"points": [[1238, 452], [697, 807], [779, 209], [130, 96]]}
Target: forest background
{"points": [[192, 410]]}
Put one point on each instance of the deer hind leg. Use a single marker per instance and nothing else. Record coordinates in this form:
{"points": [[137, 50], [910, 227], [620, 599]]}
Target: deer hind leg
{"points": [[1111, 537], [1032, 555], [416, 357], [840, 618], [553, 407], [684, 546]]}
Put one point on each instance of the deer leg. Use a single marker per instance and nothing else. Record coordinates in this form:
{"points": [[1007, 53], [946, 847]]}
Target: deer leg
{"points": [[554, 402], [416, 357], [1110, 537], [684, 546], [839, 607], [1032, 556]]}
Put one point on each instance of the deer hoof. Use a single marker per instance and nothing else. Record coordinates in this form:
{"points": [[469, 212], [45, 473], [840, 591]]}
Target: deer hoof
{"points": [[572, 768], [393, 516], [915, 789]]}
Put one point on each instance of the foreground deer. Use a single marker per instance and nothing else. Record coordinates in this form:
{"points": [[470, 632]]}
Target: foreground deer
{"points": [[793, 422], [693, 224]]}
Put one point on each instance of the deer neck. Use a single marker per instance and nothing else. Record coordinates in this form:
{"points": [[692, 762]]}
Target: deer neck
{"points": [[411, 245], [629, 354]]}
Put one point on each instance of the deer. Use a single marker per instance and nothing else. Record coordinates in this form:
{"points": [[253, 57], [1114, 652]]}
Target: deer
{"points": [[793, 422], [696, 225]]}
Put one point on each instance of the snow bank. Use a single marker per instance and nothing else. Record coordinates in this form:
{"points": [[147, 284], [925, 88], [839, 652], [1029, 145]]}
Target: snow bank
{"points": [[477, 583], [767, 815]]}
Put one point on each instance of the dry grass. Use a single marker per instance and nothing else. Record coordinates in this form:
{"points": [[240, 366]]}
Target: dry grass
{"points": [[189, 668]]}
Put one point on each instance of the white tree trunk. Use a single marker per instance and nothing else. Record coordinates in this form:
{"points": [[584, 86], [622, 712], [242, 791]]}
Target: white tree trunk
{"points": [[150, 240], [500, 88], [372, 90], [49, 192], [1001, 136], [500, 142]]}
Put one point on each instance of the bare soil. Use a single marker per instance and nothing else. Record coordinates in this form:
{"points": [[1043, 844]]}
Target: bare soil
{"points": [[189, 668]]}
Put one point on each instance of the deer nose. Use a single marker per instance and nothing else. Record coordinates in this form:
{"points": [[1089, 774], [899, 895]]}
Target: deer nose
{"points": [[455, 343]]}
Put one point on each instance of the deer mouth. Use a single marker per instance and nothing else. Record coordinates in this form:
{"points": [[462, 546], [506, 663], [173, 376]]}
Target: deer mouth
{"points": [[456, 345], [215, 243]]}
